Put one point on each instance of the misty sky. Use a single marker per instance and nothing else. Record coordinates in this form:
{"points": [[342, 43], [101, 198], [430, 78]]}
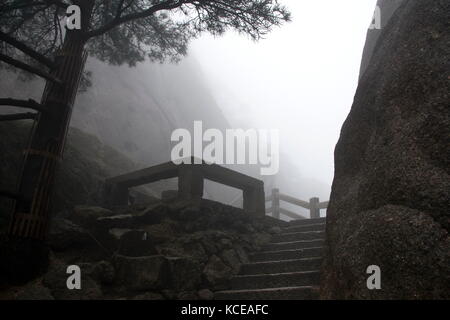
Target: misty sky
{"points": [[301, 79]]}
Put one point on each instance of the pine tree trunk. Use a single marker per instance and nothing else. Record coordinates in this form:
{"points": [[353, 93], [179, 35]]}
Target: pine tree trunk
{"points": [[45, 150]]}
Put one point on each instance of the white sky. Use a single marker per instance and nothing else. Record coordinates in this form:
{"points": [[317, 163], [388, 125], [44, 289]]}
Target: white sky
{"points": [[301, 79]]}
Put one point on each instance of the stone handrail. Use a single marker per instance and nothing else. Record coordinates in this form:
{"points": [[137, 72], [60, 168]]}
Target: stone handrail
{"points": [[190, 183], [314, 205]]}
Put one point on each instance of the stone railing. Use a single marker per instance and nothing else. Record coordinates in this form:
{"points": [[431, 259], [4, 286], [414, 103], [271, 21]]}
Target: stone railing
{"points": [[190, 183], [314, 205]]}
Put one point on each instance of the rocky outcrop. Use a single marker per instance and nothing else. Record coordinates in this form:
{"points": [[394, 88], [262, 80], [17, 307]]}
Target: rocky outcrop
{"points": [[391, 192], [165, 250]]}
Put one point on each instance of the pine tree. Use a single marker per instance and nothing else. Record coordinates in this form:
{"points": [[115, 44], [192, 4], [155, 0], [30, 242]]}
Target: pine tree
{"points": [[34, 38]]}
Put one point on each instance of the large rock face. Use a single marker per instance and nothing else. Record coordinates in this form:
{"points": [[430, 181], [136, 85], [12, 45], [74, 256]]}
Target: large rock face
{"points": [[391, 192], [387, 9]]}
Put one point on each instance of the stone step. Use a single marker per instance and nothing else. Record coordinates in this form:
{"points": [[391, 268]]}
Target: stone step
{"points": [[285, 293], [304, 222], [307, 264], [275, 280], [309, 227], [266, 256], [298, 236], [303, 244]]}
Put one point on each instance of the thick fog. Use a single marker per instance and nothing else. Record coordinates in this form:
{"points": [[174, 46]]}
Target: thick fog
{"points": [[300, 80]]}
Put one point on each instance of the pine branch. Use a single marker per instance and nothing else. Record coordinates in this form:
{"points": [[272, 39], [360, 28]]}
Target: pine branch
{"points": [[18, 116], [27, 50], [29, 104], [26, 67], [29, 4], [118, 20]]}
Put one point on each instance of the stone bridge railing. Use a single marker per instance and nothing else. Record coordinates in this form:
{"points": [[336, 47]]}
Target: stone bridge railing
{"points": [[314, 205], [190, 183]]}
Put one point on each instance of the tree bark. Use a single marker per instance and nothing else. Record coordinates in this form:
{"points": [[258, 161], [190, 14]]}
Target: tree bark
{"points": [[45, 150]]}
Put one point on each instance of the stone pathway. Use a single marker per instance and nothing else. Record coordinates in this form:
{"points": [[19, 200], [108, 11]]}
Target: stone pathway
{"points": [[287, 268]]}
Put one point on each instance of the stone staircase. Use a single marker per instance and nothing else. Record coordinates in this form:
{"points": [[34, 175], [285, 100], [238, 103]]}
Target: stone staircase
{"points": [[288, 268]]}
